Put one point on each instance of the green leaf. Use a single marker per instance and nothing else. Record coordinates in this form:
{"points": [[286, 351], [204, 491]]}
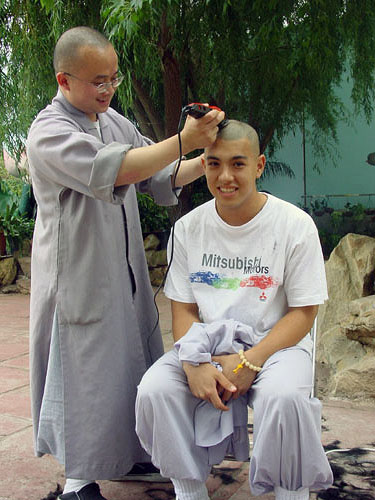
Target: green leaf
{"points": [[47, 4], [265, 63]]}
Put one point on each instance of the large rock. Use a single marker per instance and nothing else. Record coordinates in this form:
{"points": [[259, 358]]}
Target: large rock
{"points": [[360, 323], [156, 258], [25, 265], [346, 322], [151, 242], [337, 350], [356, 382], [157, 275], [23, 284], [350, 274], [8, 270]]}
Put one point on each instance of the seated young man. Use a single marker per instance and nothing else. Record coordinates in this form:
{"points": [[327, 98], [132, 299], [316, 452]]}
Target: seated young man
{"points": [[246, 278]]}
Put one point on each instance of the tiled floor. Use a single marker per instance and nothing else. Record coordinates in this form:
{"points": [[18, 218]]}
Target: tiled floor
{"points": [[24, 477]]}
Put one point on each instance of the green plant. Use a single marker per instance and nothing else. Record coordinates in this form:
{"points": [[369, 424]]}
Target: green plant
{"points": [[329, 241], [358, 212], [336, 217], [15, 227], [318, 207], [13, 184], [16, 217], [348, 212], [153, 217], [201, 193], [7, 196]]}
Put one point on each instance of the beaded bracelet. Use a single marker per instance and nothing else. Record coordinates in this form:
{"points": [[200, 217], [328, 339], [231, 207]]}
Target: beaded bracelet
{"points": [[245, 362]]}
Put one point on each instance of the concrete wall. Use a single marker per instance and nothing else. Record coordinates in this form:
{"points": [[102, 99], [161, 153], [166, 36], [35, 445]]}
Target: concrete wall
{"points": [[352, 174]]}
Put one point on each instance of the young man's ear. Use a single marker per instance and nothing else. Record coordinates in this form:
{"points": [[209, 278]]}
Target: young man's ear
{"points": [[261, 163], [62, 80], [203, 162]]}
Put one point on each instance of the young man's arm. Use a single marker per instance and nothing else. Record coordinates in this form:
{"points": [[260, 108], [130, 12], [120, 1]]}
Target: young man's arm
{"points": [[141, 163], [204, 379], [183, 316], [287, 332]]}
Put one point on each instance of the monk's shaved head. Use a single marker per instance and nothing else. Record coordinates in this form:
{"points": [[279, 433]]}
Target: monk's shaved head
{"points": [[234, 130], [69, 45]]}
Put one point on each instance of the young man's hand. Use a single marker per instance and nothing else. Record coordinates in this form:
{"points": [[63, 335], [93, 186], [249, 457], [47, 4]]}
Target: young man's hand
{"points": [[242, 379], [206, 382]]}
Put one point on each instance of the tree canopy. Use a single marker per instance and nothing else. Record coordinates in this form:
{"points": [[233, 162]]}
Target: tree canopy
{"points": [[271, 64]]}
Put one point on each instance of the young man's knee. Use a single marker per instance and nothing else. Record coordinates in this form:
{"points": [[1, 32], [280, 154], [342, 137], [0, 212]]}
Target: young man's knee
{"points": [[150, 385], [284, 399]]}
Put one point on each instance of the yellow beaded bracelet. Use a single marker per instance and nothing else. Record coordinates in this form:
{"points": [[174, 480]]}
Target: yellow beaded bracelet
{"points": [[245, 362]]}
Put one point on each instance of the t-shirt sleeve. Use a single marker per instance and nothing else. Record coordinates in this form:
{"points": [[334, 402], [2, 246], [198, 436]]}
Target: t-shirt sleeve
{"points": [[304, 276], [177, 285]]}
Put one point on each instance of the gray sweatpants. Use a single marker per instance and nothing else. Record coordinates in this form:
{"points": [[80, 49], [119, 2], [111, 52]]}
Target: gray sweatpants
{"points": [[287, 449]]}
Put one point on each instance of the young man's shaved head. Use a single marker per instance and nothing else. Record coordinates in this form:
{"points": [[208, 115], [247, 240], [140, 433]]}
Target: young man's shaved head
{"points": [[234, 130], [68, 46]]}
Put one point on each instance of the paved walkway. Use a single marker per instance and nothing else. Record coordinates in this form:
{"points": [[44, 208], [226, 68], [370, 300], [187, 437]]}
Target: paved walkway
{"points": [[24, 477]]}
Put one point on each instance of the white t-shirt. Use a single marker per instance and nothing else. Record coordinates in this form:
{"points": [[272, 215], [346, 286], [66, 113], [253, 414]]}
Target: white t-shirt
{"points": [[250, 273]]}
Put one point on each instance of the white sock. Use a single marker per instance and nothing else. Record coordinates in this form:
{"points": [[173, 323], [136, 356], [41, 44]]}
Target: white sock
{"points": [[300, 494], [190, 489], [75, 484]]}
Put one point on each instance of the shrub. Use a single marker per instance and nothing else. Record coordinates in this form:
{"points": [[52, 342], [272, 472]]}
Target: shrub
{"points": [[16, 227], [154, 218]]}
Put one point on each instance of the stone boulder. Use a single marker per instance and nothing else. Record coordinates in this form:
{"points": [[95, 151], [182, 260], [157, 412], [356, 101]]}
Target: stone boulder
{"points": [[359, 325], [15, 274], [8, 270], [157, 275], [25, 266], [357, 381], [151, 242], [23, 284], [156, 259], [346, 322]]}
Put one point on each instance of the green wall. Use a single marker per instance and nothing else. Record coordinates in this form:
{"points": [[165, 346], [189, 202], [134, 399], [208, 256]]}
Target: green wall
{"points": [[352, 175]]}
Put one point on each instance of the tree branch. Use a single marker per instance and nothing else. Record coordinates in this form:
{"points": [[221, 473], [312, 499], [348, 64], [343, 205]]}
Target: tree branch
{"points": [[278, 113], [142, 119], [149, 109]]}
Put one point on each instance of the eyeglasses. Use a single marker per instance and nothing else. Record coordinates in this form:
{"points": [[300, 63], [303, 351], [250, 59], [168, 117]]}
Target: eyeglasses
{"points": [[101, 87]]}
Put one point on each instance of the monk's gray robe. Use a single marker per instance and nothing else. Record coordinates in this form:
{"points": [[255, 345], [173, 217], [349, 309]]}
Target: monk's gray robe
{"points": [[90, 286]]}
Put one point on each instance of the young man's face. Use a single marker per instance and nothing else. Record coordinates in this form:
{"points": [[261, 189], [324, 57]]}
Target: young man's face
{"points": [[231, 169], [93, 65]]}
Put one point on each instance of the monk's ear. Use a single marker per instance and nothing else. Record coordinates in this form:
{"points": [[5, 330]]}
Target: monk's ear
{"points": [[62, 80]]}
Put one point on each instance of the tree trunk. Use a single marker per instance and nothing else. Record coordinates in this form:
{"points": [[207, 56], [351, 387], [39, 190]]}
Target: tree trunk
{"points": [[3, 246], [171, 81], [153, 116], [172, 93], [266, 139], [172, 100]]}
